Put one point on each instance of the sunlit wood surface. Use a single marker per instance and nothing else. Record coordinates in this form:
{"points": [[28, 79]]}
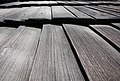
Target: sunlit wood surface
{"points": [[60, 41]]}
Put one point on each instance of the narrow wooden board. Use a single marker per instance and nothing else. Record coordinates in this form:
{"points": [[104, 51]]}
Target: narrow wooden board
{"points": [[105, 10], [78, 13], [12, 37], [44, 12], [5, 32], [111, 7], [95, 13], [54, 59], [10, 4], [3, 12], [62, 2], [100, 60], [17, 16], [116, 24], [109, 32], [30, 13], [61, 12], [16, 59]]}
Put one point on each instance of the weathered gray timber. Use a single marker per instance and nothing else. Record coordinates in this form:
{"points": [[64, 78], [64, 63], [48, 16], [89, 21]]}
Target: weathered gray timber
{"points": [[61, 12], [44, 12], [109, 32], [55, 60], [95, 13], [17, 58], [99, 59], [78, 13]]}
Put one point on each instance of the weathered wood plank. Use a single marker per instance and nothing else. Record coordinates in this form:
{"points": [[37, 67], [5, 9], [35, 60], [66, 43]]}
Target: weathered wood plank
{"points": [[78, 13], [30, 13], [61, 12], [111, 7], [5, 32], [95, 13], [5, 11], [54, 59], [44, 12], [99, 59], [12, 37], [109, 32], [16, 15], [17, 58], [116, 24], [10, 4], [105, 10]]}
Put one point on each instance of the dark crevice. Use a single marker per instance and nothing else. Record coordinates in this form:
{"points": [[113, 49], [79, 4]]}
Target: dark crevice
{"points": [[106, 39], [34, 57], [115, 26], [76, 57]]}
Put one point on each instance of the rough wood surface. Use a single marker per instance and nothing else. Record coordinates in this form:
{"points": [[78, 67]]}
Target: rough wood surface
{"points": [[12, 37], [109, 32], [61, 12], [3, 12], [111, 8], [95, 13], [5, 32], [116, 24], [99, 59], [109, 11], [16, 59], [78, 13], [54, 59], [16, 15], [30, 13], [44, 12]]}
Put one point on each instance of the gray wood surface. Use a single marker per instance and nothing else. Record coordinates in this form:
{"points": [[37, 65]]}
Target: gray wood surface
{"points": [[99, 59], [78, 13], [3, 12], [16, 15], [30, 13], [109, 32], [44, 12], [111, 8], [16, 59], [95, 13], [5, 32], [61, 12], [12, 37], [54, 59], [109, 11], [116, 24]]}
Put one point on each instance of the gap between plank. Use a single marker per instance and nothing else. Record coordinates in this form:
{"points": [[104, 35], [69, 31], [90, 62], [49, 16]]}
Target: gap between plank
{"points": [[35, 55], [106, 39], [76, 56]]}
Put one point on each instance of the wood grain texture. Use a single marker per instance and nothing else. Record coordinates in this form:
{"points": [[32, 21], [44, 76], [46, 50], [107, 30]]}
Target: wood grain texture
{"points": [[99, 59], [61, 12], [12, 37], [5, 32], [78, 13], [30, 13], [44, 12], [109, 11], [54, 59], [3, 12], [95, 13], [111, 8], [116, 24], [109, 32], [17, 58], [16, 15]]}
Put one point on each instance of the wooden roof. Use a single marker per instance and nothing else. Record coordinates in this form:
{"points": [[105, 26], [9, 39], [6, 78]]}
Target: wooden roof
{"points": [[56, 42]]}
